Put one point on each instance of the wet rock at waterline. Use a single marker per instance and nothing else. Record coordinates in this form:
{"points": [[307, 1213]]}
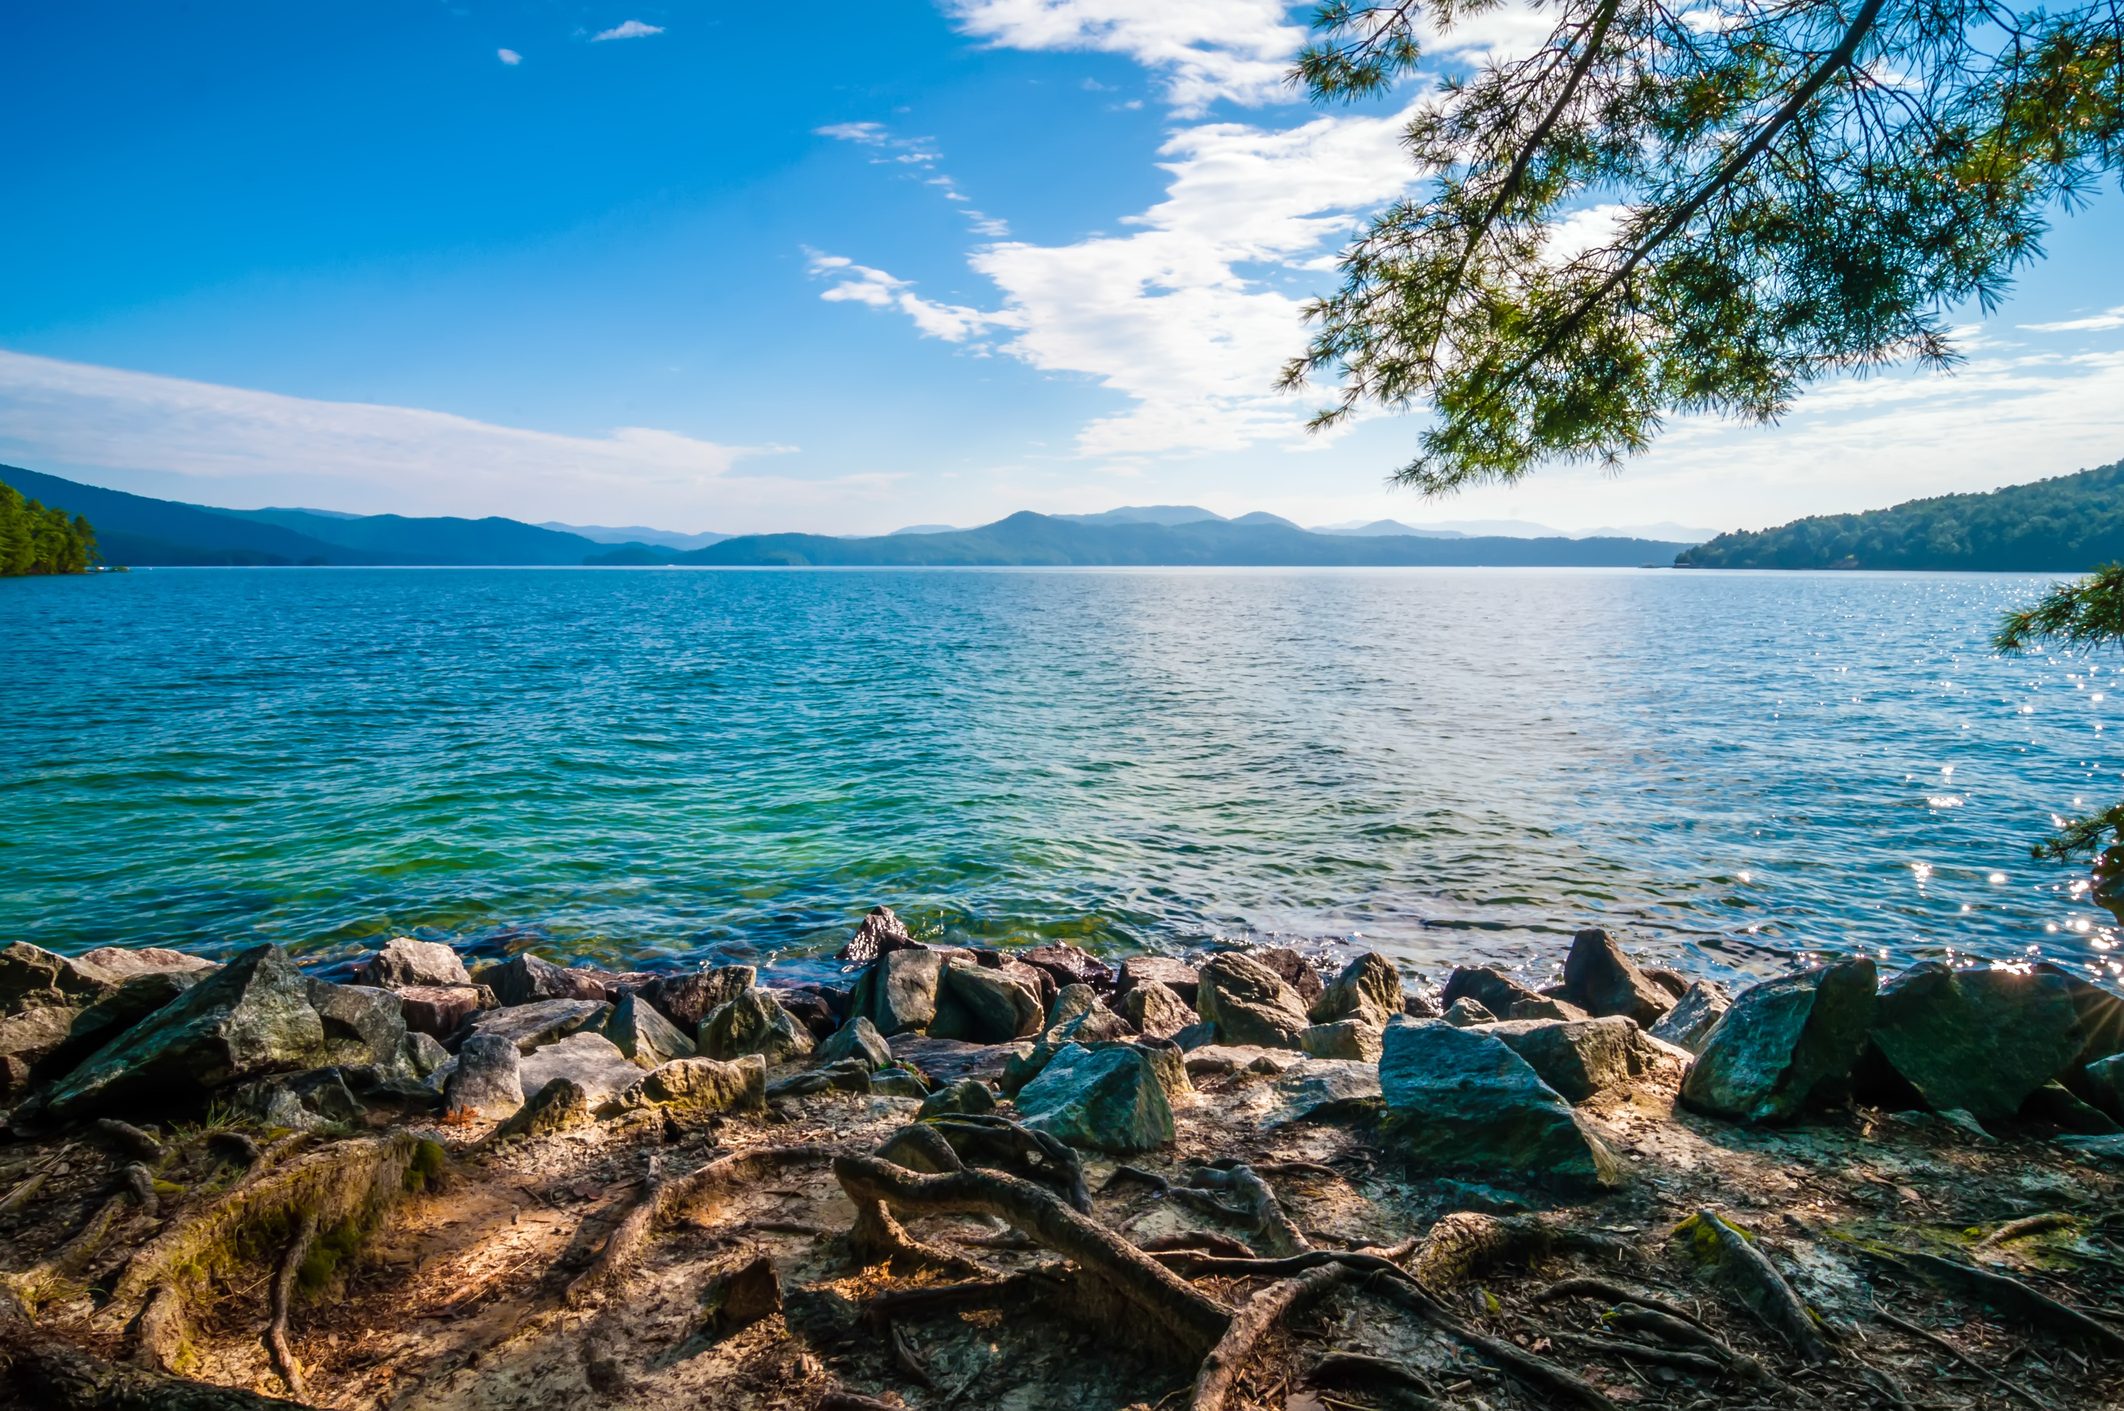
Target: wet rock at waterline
{"points": [[1176, 975], [1603, 981], [754, 1022], [1249, 1003], [880, 933], [983, 1005], [1504, 996], [1979, 1039], [1694, 1015], [1155, 1009], [899, 992], [688, 999], [1368, 988], [1785, 1045], [529, 1025], [404, 962]]}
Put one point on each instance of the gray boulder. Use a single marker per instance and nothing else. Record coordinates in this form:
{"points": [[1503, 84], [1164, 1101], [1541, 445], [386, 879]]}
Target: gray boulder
{"points": [[249, 1019], [1249, 1003], [1580, 1058], [688, 999], [1068, 965], [362, 1026], [1357, 1039], [1981, 1040], [123, 962], [485, 1080], [33, 977], [1155, 1010], [419, 1055], [639, 1031], [1694, 1016], [1601, 980], [562, 1103], [898, 993], [439, 1011], [1785, 1045], [880, 934], [1176, 975], [316, 1101], [591, 1061], [1316, 1089], [702, 1084], [1109, 1099], [404, 961], [1466, 1012], [754, 1022], [2102, 1083], [1077, 1017], [986, 1006], [1367, 988], [948, 1060], [899, 1082], [1291, 968], [1504, 996], [530, 1025], [968, 1096], [857, 1039], [530, 978], [1462, 1100]]}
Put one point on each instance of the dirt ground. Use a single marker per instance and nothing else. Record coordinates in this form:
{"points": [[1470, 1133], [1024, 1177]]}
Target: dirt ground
{"points": [[469, 1294]]}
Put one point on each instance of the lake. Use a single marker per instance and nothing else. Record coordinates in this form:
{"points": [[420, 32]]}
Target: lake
{"points": [[663, 765]]}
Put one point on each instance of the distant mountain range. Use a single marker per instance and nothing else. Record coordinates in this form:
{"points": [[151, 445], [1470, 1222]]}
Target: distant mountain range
{"points": [[2067, 524], [137, 530], [1449, 529]]}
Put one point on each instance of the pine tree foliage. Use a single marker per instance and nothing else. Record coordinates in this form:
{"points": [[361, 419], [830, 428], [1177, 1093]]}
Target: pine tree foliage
{"points": [[36, 539], [1788, 188]]}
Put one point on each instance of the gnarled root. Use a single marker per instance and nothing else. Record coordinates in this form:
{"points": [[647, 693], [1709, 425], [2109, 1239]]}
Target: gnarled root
{"points": [[2007, 1294], [1464, 1244], [276, 1333], [1255, 1320], [986, 1139], [160, 1335], [1758, 1284], [38, 1369], [1186, 1317], [1279, 1233]]}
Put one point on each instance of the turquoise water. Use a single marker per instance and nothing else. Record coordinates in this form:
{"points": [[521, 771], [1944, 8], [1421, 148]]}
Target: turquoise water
{"points": [[1446, 764]]}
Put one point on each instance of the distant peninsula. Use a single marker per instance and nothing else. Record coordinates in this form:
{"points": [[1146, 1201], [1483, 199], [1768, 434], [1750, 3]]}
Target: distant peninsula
{"points": [[2067, 524]]}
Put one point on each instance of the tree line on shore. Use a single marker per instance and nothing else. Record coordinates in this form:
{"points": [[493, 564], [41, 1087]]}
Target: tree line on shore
{"points": [[35, 538]]}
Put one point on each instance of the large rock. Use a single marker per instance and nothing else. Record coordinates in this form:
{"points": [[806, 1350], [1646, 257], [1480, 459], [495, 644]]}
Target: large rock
{"points": [[1694, 1016], [1368, 988], [1043, 983], [1249, 1003], [529, 1025], [1979, 1040], [404, 961], [562, 1103], [1109, 1098], [966, 1097], [703, 1084], [858, 1039], [1291, 968], [1077, 1017], [899, 992], [1785, 1045], [1462, 1100], [362, 1026], [484, 1080], [251, 1018], [33, 977], [821, 1009], [1316, 1089], [986, 1006], [754, 1022], [530, 978], [1504, 996], [688, 999], [1466, 1012], [1154, 1009], [1069, 965], [880, 934], [1357, 1039], [1580, 1058], [316, 1101], [591, 1061], [639, 1031], [122, 962], [439, 1011], [1176, 975], [948, 1060], [1601, 980]]}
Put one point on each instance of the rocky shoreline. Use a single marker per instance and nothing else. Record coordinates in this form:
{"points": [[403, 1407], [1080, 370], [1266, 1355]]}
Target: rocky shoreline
{"points": [[1032, 1178]]}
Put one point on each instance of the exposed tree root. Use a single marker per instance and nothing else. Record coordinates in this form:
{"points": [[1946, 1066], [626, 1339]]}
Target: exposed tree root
{"points": [[2027, 1226], [129, 1140], [160, 1334], [1197, 1242], [1255, 1320], [986, 1139], [1933, 1339], [879, 1238], [2006, 1293], [39, 1370], [1464, 1244], [1612, 1292], [276, 1333], [140, 1184], [1758, 1284], [920, 1147], [1278, 1232], [1411, 1388], [665, 1200], [42, 1281], [24, 1191], [1185, 1316], [941, 1298], [1642, 1351]]}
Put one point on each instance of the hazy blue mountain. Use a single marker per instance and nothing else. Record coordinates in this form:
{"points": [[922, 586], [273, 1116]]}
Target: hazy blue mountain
{"points": [[1388, 526], [442, 540], [928, 529], [2067, 524], [1028, 539], [1665, 529], [137, 529], [1263, 517], [637, 534], [1141, 514]]}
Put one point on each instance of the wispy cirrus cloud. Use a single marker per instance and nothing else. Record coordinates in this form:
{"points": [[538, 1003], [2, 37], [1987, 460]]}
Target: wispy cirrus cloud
{"points": [[2093, 323], [629, 29], [890, 149], [849, 282], [509, 57]]}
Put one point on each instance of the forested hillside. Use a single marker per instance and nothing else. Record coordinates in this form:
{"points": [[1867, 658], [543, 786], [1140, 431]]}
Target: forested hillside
{"points": [[2064, 525], [36, 539]]}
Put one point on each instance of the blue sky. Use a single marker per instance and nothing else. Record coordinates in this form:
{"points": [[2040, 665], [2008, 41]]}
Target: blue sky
{"points": [[668, 264]]}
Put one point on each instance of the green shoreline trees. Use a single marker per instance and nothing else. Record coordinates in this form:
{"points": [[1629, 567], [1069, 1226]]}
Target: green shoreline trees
{"points": [[36, 539]]}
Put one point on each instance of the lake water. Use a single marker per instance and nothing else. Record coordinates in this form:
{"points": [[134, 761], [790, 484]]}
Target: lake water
{"points": [[666, 765]]}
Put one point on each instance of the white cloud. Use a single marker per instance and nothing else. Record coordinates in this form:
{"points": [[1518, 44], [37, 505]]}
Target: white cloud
{"points": [[1202, 50], [869, 134], [860, 284], [2094, 323], [243, 446], [509, 57], [631, 29]]}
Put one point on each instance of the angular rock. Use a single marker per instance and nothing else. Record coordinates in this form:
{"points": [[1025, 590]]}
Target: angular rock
{"points": [[965, 1097], [688, 999], [485, 1080], [1357, 1039], [1213, 1060], [1317, 1089], [33, 977], [1504, 996], [1601, 980], [1461, 1099], [2102, 1083], [530, 978], [249, 1019], [126, 961], [1077, 1018], [1249, 1003], [439, 1011], [1043, 983], [562, 1103], [404, 962], [1693, 1016], [1155, 1010], [743, 1296], [316, 1101], [1785, 1045], [880, 934], [1176, 975], [899, 992], [1367, 988], [1291, 968], [1418, 1006], [1673, 982], [1107, 1099], [529, 1025], [2055, 1104], [986, 1006], [419, 1055], [899, 1082], [948, 1060], [1466, 1012], [703, 1084], [1069, 965], [645, 1036], [811, 1006], [1983, 1040], [1580, 1058], [857, 1039], [362, 1026], [590, 1060], [754, 1022]]}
